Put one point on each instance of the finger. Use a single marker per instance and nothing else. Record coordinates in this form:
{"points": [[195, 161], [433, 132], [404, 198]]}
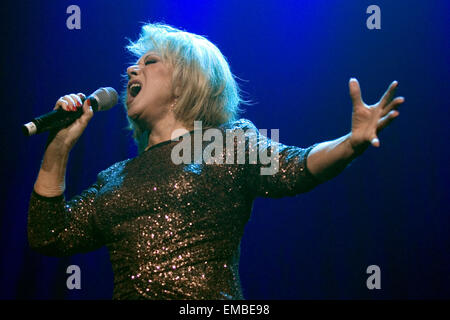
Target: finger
{"points": [[355, 91], [393, 105], [72, 103], [82, 97], [62, 103], [389, 94], [375, 141], [88, 113], [77, 99], [386, 120]]}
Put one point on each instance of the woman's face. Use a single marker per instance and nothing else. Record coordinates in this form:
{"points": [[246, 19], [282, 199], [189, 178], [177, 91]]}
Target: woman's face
{"points": [[149, 91]]}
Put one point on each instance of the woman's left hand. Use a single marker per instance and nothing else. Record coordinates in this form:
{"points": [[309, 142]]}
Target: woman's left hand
{"points": [[368, 120]]}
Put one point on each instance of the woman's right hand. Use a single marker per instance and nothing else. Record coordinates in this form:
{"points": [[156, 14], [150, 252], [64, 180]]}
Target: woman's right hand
{"points": [[64, 139]]}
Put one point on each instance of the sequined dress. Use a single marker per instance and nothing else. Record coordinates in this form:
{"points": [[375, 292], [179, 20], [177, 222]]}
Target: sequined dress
{"points": [[173, 231]]}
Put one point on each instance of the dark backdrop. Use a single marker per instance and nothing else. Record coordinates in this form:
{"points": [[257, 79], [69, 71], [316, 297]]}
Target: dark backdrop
{"points": [[294, 59]]}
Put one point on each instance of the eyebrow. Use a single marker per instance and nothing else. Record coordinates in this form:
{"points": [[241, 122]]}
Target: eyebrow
{"points": [[147, 55]]}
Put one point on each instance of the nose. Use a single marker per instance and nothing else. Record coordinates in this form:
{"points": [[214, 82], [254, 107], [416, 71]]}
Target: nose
{"points": [[133, 70]]}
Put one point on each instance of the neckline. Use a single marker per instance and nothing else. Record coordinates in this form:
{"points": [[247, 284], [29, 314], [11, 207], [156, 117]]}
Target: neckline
{"points": [[162, 143]]}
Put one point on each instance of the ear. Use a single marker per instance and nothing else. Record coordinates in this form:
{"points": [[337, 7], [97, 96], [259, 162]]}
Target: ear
{"points": [[177, 91]]}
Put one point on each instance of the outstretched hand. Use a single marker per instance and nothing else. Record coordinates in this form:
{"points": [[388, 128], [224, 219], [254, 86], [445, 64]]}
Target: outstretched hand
{"points": [[369, 120]]}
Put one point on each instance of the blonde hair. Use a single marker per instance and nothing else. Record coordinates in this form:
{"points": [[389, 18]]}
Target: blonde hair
{"points": [[208, 90]]}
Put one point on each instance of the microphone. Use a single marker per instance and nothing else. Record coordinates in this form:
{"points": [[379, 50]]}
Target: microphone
{"points": [[102, 99]]}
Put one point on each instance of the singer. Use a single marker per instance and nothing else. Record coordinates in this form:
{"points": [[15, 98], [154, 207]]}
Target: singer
{"points": [[174, 230]]}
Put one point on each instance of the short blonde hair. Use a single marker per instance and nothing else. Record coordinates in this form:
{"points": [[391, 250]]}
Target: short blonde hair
{"points": [[208, 90]]}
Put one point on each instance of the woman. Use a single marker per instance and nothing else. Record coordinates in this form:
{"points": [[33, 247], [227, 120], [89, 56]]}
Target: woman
{"points": [[173, 230]]}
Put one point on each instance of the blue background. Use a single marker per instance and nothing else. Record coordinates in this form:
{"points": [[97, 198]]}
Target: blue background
{"points": [[389, 208]]}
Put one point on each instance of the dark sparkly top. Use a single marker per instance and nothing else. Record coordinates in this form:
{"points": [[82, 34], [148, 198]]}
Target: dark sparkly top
{"points": [[173, 230]]}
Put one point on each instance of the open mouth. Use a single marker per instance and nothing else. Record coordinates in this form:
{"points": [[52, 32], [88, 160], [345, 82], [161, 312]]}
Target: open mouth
{"points": [[134, 89]]}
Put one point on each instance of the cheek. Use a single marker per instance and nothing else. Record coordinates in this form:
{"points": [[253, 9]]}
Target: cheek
{"points": [[159, 87]]}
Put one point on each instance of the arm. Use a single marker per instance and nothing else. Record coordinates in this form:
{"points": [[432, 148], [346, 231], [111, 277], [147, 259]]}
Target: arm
{"points": [[51, 178], [57, 227], [302, 169], [329, 158], [289, 174]]}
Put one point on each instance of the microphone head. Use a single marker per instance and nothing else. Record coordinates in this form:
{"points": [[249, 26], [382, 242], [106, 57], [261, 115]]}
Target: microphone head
{"points": [[105, 98]]}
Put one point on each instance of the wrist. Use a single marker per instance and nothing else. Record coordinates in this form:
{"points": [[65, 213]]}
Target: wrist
{"points": [[356, 147]]}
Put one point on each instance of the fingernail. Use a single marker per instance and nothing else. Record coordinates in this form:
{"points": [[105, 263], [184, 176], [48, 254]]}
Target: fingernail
{"points": [[375, 141]]}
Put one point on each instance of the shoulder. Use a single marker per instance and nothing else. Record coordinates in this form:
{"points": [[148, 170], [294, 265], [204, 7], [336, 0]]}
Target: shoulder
{"points": [[112, 170], [242, 124]]}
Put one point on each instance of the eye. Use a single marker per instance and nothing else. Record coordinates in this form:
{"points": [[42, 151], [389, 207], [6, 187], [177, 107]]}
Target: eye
{"points": [[150, 61]]}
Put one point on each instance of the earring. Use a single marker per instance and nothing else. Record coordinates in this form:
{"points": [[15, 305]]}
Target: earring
{"points": [[174, 103]]}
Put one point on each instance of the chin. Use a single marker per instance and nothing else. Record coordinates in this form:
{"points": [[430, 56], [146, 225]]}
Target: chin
{"points": [[136, 117], [132, 114]]}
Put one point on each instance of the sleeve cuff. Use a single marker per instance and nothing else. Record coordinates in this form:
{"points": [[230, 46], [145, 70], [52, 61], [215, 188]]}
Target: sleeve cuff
{"points": [[48, 199], [305, 166]]}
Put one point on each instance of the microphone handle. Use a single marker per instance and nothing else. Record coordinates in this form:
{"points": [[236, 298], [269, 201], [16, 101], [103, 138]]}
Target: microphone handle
{"points": [[56, 119]]}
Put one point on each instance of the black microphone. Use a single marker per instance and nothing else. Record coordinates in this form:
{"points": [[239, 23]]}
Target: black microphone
{"points": [[102, 99]]}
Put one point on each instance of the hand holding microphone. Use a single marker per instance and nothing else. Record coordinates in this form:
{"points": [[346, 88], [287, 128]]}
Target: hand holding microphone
{"points": [[70, 116]]}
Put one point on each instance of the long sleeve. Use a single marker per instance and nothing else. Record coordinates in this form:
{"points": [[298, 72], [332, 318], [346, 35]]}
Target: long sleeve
{"points": [[290, 175], [57, 227]]}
